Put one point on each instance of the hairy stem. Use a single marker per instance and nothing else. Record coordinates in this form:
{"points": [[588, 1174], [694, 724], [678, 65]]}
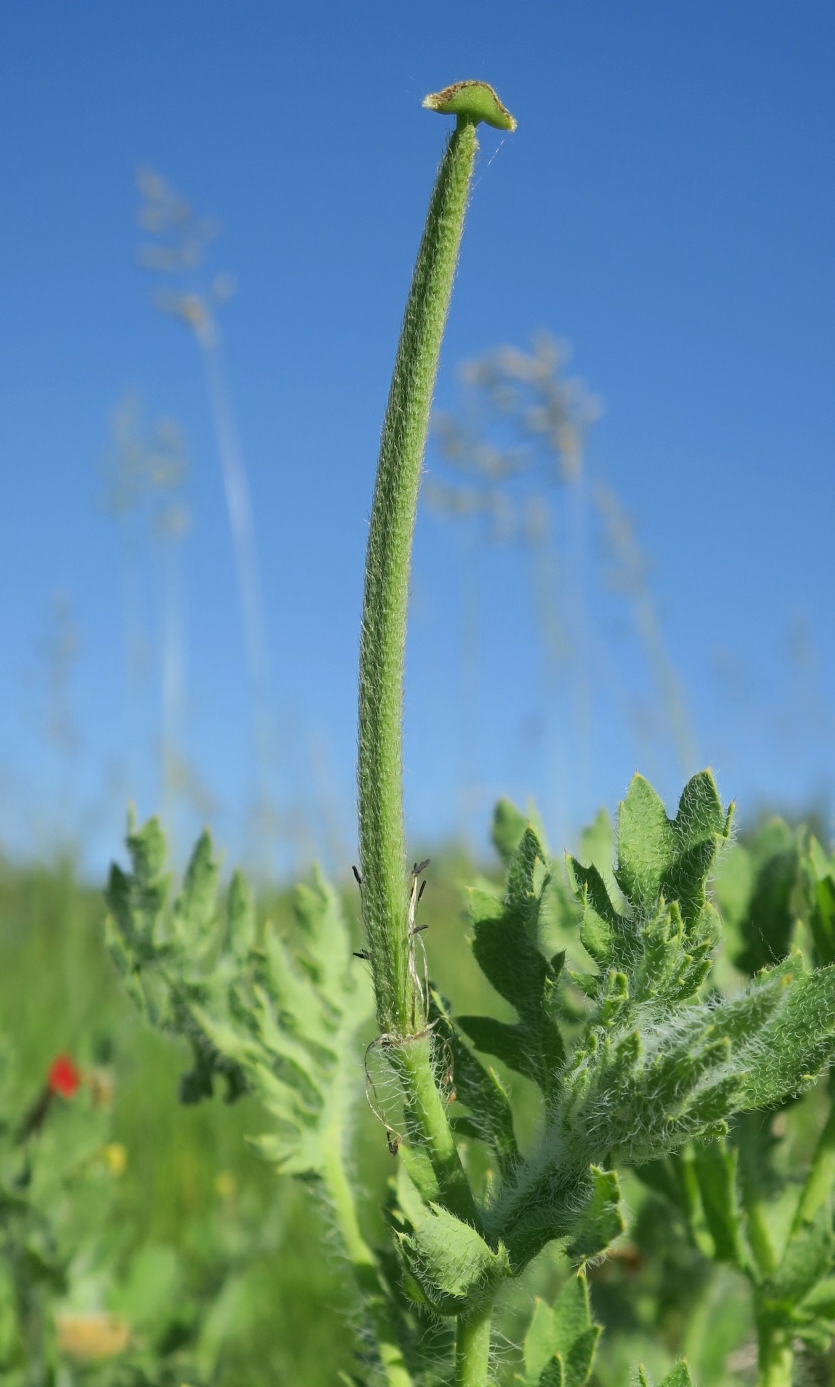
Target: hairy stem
{"points": [[400, 1004], [426, 1110], [472, 1349], [383, 639]]}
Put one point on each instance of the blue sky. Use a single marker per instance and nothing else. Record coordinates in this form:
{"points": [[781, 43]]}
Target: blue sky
{"points": [[666, 205]]}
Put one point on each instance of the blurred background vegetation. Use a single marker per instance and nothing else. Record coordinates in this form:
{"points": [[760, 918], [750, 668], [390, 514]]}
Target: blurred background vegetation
{"points": [[589, 591]]}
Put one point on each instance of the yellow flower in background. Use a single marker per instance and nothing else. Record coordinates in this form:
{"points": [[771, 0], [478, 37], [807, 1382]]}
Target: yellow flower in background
{"points": [[91, 1338], [226, 1185], [115, 1157]]}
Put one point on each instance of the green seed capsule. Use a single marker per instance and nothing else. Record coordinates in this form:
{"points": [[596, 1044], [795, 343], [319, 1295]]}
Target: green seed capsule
{"points": [[473, 101]]}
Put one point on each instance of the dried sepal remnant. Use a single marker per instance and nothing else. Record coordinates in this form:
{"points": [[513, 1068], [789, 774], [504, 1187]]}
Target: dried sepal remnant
{"points": [[475, 101]]}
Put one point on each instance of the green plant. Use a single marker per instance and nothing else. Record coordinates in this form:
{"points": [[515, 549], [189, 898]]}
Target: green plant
{"points": [[81, 1300], [636, 1056]]}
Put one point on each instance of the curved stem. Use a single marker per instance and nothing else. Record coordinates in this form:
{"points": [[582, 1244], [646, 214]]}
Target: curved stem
{"points": [[401, 1006], [400, 1002], [383, 638]]}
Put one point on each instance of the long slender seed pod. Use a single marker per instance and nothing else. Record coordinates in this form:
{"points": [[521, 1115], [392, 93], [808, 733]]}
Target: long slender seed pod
{"points": [[383, 639], [400, 1007]]}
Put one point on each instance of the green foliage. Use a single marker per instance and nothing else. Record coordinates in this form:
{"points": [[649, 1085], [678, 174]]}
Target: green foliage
{"points": [[641, 1057], [270, 1021], [561, 1340], [506, 948], [159, 1177], [490, 1117], [820, 876], [78, 1296], [275, 1020], [652, 1066], [446, 1261], [679, 1376], [758, 894], [641, 1061], [739, 1202]]}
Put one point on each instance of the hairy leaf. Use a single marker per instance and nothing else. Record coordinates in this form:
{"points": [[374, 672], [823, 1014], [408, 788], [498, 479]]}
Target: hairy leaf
{"points": [[679, 1376], [658, 856], [506, 947], [272, 1021], [448, 1260], [600, 1219]]}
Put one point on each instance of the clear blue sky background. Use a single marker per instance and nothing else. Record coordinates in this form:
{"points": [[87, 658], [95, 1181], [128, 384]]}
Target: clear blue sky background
{"points": [[666, 204]]}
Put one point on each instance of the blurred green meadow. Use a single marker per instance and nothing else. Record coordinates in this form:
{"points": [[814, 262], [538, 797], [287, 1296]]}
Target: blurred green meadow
{"points": [[196, 1221], [215, 1263], [143, 1243], [584, 600]]}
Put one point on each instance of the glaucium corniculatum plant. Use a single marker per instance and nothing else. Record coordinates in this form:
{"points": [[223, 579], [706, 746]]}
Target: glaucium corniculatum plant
{"points": [[634, 1053]]}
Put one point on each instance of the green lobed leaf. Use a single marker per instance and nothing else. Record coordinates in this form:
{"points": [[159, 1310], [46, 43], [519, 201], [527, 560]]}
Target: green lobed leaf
{"points": [[662, 930], [561, 1340], [509, 824], [137, 900], [813, 1319], [799, 1039], [762, 917], [506, 947], [658, 856], [679, 1376], [807, 1259], [653, 1080], [715, 1166], [195, 910], [600, 1219], [507, 1042], [241, 930], [276, 1021], [597, 847]]}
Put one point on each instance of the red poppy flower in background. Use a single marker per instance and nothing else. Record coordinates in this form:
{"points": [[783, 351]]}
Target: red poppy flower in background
{"points": [[63, 1076]]}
